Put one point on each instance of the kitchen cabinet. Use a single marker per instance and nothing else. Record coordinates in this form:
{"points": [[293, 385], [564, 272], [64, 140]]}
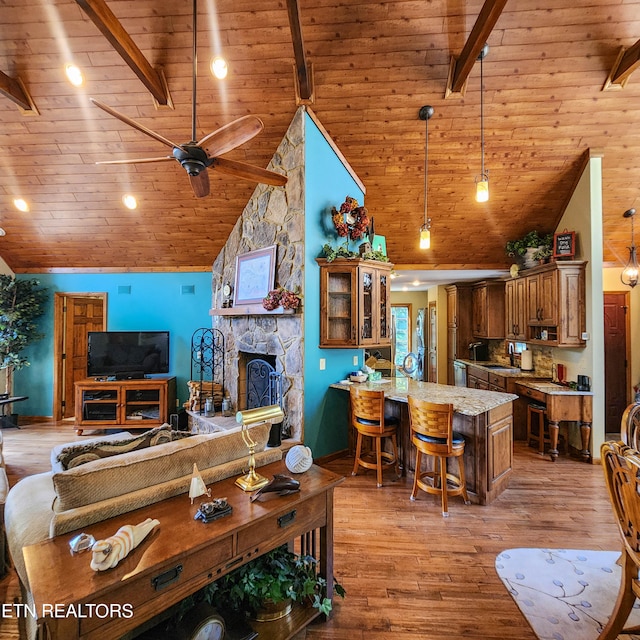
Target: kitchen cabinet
{"points": [[130, 404], [488, 303], [355, 304], [556, 304], [477, 378], [459, 333], [515, 294]]}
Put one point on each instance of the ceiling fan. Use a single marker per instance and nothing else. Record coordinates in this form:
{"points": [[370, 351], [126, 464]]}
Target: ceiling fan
{"points": [[197, 157]]}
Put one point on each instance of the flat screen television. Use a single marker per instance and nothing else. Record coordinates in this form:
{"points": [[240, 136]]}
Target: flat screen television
{"points": [[127, 353]]}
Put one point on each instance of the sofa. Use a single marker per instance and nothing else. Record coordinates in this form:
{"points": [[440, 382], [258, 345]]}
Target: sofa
{"points": [[109, 483]]}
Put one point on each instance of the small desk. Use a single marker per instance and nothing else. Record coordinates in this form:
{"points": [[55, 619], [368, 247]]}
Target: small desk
{"points": [[563, 404], [5, 402], [179, 557]]}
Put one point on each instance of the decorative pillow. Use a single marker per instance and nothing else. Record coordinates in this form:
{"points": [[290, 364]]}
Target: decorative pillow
{"points": [[74, 455]]}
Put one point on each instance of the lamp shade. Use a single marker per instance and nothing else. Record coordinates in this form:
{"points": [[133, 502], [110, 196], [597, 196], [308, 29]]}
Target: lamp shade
{"points": [[482, 190], [629, 275], [425, 237]]}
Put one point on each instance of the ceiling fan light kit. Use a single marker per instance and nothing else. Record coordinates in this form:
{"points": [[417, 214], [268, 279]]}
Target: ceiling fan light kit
{"points": [[196, 157]]}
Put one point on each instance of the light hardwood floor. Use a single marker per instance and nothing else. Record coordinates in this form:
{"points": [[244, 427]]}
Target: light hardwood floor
{"points": [[408, 572]]}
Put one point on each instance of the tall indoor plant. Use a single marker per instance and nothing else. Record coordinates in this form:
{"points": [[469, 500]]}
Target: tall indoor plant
{"points": [[21, 304]]}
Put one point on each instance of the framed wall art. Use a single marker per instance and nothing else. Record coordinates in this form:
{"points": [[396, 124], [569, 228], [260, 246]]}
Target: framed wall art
{"points": [[255, 275]]}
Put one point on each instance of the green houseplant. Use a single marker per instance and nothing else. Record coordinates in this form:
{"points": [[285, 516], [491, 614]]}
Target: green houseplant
{"points": [[530, 243], [21, 304], [274, 577]]}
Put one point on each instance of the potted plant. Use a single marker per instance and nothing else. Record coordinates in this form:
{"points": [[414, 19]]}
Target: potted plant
{"points": [[526, 246], [542, 254], [273, 579], [21, 304]]}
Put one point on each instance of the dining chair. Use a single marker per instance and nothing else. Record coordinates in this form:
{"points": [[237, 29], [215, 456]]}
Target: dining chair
{"points": [[432, 435], [621, 465], [630, 426], [369, 421]]}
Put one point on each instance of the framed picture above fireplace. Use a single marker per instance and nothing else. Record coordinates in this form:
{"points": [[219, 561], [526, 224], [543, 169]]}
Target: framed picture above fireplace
{"points": [[255, 275]]}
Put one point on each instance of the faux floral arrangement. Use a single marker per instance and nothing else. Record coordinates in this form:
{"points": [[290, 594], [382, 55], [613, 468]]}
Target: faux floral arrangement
{"points": [[281, 297], [351, 221]]}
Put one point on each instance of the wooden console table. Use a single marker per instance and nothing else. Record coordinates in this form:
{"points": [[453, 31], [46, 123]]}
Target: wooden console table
{"points": [[179, 557], [563, 404]]}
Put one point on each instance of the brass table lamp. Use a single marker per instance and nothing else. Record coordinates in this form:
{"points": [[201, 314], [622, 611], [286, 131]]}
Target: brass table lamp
{"points": [[253, 481]]}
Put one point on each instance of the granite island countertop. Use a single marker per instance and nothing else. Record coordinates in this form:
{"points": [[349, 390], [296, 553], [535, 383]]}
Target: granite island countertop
{"points": [[468, 402]]}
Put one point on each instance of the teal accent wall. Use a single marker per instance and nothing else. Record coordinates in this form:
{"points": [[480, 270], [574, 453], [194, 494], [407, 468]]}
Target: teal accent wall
{"points": [[177, 302], [327, 183]]}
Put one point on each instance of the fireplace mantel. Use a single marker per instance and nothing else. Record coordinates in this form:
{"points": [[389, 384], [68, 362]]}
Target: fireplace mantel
{"points": [[251, 310]]}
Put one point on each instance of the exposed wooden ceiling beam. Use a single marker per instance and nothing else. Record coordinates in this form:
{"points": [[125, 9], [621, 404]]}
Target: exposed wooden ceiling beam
{"points": [[304, 79], [461, 66], [13, 89], [626, 63], [122, 42]]}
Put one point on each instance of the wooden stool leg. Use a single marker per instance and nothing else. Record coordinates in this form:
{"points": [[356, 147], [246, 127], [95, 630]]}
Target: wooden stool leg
{"points": [[443, 485], [379, 461], [416, 474], [463, 480], [394, 442], [356, 464]]}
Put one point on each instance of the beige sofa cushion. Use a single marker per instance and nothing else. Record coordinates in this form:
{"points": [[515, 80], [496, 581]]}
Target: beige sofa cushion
{"points": [[117, 475]]}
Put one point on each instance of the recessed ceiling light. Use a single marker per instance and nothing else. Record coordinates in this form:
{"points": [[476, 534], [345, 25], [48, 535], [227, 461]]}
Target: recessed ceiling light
{"points": [[129, 201], [219, 67], [21, 204], [415, 283], [2, 232], [74, 74]]}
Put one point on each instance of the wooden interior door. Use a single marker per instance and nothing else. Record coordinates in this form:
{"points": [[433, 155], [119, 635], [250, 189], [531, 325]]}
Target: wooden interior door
{"points": [[75, 314], [616, 358], [432, 343]]}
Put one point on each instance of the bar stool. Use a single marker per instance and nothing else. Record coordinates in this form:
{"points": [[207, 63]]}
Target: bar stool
{"points": [[432, 434], [368, 419], [538, 432]]}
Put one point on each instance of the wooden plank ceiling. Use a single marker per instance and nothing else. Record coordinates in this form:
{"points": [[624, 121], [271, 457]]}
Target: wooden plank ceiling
{"points": [[370, 67]]}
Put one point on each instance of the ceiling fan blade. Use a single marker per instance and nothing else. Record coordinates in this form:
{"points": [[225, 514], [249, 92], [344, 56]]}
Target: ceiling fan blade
{"points": [[232, 135], [136, 160], [200, 184], [134, 124], [249, 172]]}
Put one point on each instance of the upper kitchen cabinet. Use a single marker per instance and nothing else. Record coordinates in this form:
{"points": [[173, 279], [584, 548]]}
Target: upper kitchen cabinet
{"points": [[515, 300], [556, 314], [355, 303], [488, 309]]}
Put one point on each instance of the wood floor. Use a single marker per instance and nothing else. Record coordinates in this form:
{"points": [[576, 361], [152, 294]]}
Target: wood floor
{"points": [[410, 573]]}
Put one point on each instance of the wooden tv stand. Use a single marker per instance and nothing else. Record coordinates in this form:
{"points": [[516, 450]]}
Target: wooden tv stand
{"points": [[179, 557], [130, 404]]}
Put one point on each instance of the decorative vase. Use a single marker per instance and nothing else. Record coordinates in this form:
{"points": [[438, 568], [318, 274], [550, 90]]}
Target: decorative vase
{"points": [[529, 262]]}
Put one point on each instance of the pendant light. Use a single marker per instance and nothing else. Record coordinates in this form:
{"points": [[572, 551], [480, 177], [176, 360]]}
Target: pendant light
{"points": [[482, 181], [425, 230], [629, 275]]}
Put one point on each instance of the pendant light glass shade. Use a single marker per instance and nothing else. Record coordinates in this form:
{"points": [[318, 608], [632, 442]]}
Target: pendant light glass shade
{"points": [[482, 189], [425, 235], [629, 275], [425, 230], [482, 181]]}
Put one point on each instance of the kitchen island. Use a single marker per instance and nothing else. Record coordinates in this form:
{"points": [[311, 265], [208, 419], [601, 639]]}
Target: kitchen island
{"points": [[483, 417]]}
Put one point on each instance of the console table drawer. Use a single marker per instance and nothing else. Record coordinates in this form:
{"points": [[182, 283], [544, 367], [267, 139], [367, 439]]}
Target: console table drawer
{"points": [[279, 529], [139, 590], [534, 394]]}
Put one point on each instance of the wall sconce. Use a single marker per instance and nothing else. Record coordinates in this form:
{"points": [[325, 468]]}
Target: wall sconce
{"points": [[482, 181], [253, 481], [629, 275], [425, 114]]}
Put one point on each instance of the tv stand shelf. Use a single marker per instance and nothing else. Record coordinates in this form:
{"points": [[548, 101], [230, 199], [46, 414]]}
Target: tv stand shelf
{"points": [[130, 404]]}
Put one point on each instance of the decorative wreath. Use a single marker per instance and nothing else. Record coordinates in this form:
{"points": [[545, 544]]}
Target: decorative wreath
{"points": [[352, 220]]}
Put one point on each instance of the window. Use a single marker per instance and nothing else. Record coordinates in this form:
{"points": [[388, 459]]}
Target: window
{"points": [[401, 315]]}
